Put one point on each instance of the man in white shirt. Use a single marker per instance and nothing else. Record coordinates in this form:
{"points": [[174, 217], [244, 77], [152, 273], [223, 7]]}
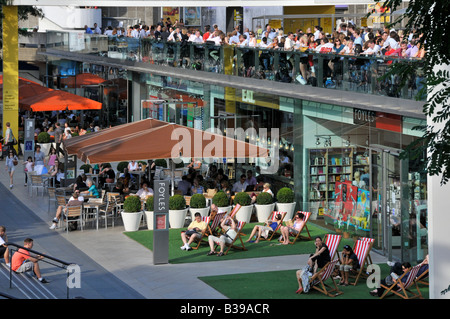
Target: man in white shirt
{"points": [[290, 43], [108, 31], [97, 29], [75, 200], [243, 42], [240, 185], [196, 37], [234, 39], [135, 32], [317, 31], [372, 48], [175, 35]]}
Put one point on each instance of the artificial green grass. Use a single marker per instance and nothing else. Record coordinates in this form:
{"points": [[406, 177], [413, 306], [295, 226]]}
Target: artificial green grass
{"points": [[283, 284], [262, 249]]}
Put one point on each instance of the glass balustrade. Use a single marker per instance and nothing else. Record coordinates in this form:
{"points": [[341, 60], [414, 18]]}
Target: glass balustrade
{"points": [[355, 73]]}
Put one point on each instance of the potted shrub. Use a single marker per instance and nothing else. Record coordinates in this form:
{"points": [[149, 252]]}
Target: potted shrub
{"points": [[245, 212], [85, 168], [44, 142], [177, 211], [198, 205], [285, 202], [121, 166], [132, 213], [221, 200], [264, 206], [149, 212]]}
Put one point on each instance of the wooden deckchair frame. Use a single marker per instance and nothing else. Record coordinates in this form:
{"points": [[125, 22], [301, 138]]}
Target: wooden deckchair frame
{"points": [[239, 227], [423, 277], [317, 281], [276, 230], [404, 287]]}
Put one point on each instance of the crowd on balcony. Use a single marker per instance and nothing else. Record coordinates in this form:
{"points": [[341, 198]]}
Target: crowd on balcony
{"points": [[346, 39]]}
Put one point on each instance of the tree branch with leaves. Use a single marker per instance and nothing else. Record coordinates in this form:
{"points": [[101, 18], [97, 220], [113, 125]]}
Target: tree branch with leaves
{"points": [[431, 20]]}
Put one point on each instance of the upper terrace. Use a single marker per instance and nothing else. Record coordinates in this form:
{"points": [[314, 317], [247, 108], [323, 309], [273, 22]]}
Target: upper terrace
{"points": [[360, 74]]}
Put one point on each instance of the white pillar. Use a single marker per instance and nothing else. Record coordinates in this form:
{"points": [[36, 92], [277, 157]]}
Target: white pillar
{"points": [[438, 230]]}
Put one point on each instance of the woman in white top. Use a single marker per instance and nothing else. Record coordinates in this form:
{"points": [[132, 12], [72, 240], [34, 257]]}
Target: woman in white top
{"points": [[133, 166], [252, 41]]}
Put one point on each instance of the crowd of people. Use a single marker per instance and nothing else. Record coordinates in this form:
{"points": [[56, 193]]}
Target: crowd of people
{"points": [[345, 39]]}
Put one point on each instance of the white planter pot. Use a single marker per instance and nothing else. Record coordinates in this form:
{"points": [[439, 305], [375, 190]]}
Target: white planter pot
{"points": [[149, 219], [244, 213], [203, 211], [131, 221], [288, 208], [226, 208], [177, 218], [263, 211]]}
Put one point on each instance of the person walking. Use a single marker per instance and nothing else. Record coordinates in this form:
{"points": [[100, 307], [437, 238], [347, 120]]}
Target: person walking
{"points": [[9, 139], [11, 162]]}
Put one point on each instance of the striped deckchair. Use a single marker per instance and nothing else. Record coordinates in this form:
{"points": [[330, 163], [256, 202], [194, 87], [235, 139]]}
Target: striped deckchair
{"points": [[317, 281], [361, 249], [235, 210], [306, 216], [332, 241], [371, 241], [272, 217], [239, 226], [401, 287], [215, 222]]}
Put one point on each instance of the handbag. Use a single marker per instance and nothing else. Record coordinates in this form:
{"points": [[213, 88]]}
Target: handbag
{"points": [[14, 141], [15, 162]]}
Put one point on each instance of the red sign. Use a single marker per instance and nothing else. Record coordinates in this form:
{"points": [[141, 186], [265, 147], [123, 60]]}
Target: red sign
{"points": [[161, 221]]}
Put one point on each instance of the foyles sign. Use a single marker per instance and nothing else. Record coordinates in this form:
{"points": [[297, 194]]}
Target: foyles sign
{"points": [[364, 116]]}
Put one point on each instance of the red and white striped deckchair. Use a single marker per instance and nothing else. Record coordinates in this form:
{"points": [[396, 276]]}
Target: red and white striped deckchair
{"points": [[317, 281], [273, 218], [306, 216], [371, 241], [235, 210], [362, 249], [332, 241], [401, 286], [215, 222], [239, 226]]}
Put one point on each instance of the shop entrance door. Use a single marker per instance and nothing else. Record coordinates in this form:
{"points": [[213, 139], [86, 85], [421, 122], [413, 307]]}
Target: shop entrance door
{"points": [[385, 186]]}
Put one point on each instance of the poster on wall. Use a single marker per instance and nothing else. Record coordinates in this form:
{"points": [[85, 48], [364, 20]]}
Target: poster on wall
{"points": [[171, 12], [193, 16], [346, 198], [361, 216]]}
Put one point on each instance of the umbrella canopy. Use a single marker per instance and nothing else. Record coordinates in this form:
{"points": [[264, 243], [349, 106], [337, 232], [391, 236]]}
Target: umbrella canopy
{"points": [[72, 145], [82, 79], [167, 140], [27, 88], [57, 100]]}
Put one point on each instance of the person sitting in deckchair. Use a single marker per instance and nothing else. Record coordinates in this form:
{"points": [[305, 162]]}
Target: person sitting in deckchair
{"points": [[293, 229], [264, 230]]}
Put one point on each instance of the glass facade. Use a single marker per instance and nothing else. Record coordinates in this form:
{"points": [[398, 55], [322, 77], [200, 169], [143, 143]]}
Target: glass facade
{"points": [[343, 163]]}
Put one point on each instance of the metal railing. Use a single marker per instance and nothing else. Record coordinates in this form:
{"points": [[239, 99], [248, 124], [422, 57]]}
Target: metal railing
{"points": [[357, 73], [47, 259]]}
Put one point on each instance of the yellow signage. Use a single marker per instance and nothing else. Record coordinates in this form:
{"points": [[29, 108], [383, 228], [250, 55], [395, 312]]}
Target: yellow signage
{"points": [[11, 69]]}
